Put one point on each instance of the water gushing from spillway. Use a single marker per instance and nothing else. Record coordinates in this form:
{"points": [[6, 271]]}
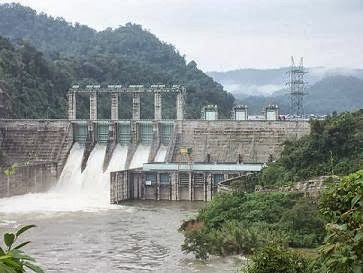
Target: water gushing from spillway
{"points": [[78, 191], [75, 191], [118, 160], [141, 156], [161, 154]]}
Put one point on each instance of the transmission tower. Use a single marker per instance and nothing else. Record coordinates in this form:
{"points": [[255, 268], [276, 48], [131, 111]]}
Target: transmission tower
{"points": [[296, 85]]}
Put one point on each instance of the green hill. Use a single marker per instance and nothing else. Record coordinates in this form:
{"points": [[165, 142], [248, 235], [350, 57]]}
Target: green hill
{"points": [[33, 86], [126, 55]]}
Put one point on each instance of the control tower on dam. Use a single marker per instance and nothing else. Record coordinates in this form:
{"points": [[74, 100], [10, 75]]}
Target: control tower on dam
{"points": [[40, 148]]}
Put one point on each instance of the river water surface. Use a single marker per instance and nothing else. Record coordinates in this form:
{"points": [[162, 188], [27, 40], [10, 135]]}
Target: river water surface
{"points": [[135, 237]]}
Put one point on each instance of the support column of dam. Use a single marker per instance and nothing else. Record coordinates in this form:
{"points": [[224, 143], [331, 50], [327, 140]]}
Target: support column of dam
{"points": [[157, 106], [136, 115], [93, 106], [114, 106], [180, 106], [71, 105]]}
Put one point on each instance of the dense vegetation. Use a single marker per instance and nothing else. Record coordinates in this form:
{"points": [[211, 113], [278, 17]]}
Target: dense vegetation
{"points": [[126, 55], [342, 206], [240, 223], [12, 257], [278, 259], [334, 146], [33, 86], [342, 250]]}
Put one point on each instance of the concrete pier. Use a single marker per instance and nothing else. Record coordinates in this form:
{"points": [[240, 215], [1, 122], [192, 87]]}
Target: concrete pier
{"points": [[157, 106], [93, 106], [136, 107], [114, 106], [180, 106], [71, 105]]}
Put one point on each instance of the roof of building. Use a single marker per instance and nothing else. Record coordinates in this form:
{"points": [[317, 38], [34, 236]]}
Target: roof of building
{"points": [[255, 167]]}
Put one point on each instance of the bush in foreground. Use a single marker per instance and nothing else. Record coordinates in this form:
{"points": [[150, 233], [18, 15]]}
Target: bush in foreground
{"points": [[273, 258], [240, 223]]}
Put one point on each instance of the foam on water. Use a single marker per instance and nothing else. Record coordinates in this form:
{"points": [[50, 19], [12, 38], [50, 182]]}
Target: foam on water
{"points": [[141, 156], [161, 154], [75, 191]]}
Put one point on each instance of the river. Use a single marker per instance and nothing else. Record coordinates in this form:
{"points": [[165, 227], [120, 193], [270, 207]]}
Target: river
{"points": [[135, 237]]}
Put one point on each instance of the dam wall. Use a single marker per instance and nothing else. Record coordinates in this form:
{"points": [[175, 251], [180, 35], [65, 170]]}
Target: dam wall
{"points": [[36, 177], [38, 148], [31, 143], [245, 141]]}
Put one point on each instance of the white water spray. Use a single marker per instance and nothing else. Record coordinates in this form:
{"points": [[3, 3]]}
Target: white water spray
{"points": [[161, 154], [141, 156], [75, 191], [118, 160]]}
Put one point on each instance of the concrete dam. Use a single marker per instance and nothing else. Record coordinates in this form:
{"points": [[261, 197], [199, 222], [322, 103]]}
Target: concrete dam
{"points": [[115, 160]]}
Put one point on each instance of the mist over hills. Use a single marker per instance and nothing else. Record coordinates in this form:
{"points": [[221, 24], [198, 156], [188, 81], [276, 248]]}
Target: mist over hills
{"points": [[333, 93], [328, 90], [125, 55], [263, 82]]}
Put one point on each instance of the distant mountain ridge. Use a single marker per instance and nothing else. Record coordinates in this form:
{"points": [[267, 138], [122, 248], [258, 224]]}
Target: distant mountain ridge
{"points": [[264, 82], [332, 93]]}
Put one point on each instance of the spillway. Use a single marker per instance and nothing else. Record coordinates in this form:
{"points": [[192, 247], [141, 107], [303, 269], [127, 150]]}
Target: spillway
{"points": [[94, 181], [71, 177], [141, 156], [118, 160], [161, 154]]}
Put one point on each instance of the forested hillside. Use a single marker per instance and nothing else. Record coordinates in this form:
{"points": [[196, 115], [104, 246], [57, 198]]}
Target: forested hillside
{"points": [[126, 55], [33, 86]]}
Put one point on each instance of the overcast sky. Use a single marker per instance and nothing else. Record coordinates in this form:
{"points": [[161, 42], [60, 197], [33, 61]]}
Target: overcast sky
{"points": [[229, 34]]}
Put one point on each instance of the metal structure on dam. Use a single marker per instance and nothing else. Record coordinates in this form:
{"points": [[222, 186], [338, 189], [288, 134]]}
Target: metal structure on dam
{"points": [[145, 159]]}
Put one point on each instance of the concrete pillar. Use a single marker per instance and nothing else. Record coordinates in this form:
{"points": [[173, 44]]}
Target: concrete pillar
{"points": [[157, 186], [180, 106], [209, 187], [114, 106], [71, 105], [191, 186], [93, 106], [136, 106], [174, 186], [157, 106]]}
